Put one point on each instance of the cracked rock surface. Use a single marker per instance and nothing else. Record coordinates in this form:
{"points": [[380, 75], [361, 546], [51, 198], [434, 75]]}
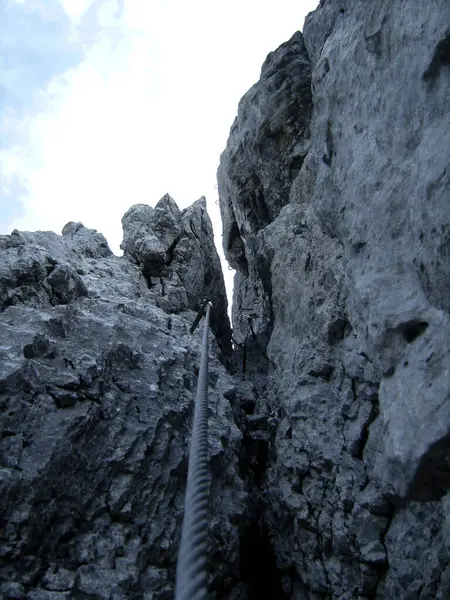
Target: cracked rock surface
{"points": [[329, 413], [344, 270], [175, 250], [98, 373]]}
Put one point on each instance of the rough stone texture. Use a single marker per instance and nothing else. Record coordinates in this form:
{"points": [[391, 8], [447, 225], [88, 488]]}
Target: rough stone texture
{"points": [[330, 431], [97, 381], [41, 269], [346, 279], [176, 251], [266, 148]]}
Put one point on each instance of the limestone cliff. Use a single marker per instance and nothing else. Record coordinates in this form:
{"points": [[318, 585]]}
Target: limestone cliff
{"points": [[97, 378], [330, 413], [335, 198]]}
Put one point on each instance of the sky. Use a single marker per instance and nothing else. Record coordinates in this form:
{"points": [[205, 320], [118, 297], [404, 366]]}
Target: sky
{"points": [[109, 103]]}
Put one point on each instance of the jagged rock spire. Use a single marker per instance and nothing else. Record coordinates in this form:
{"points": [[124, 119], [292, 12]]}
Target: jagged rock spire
{"points": [[175, 249]]}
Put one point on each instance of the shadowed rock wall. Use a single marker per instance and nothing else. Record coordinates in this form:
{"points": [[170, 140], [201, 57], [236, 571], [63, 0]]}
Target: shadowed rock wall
{"points": [[344, 268]]}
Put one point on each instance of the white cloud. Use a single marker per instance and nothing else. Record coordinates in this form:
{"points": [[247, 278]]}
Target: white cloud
{"points": [[75, 9]]}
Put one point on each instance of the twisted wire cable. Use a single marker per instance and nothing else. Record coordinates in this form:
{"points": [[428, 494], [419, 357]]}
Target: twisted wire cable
{"points": [[191, 563]]}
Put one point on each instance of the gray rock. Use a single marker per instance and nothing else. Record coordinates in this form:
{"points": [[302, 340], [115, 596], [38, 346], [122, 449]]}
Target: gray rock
{"points": [[197, 263], [12, 590], [96, 402], [39, 594], [87, 242], [175, 251], [42, 268], [94, 582], [58, 579], [273, 119], [67, 285], [166, 220], [344, 268], [149, 234], [329, 434]]}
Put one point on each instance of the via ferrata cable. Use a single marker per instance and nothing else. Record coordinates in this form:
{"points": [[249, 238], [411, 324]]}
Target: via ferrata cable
{"points": [[191, 563]]}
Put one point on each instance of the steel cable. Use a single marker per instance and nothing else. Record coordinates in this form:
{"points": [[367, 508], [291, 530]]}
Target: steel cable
{"points": [[191, 563]]}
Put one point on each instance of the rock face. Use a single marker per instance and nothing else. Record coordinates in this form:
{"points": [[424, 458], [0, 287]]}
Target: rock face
{"points": [[330, 414], [97, 378], [344, 270], [263, 153], [175, 250]]}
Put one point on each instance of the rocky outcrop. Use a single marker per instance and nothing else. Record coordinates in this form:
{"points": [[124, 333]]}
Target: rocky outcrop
{"points": [[344, 270], [176, 253], [330, 426], [265, 151], [266, 148], [97, 379], [38, 269]]}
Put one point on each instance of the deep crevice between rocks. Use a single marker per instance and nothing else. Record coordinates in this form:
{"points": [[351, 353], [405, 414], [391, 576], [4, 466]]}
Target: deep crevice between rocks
{"points": [[253, 460], [375, 411], [258, 569], [258, 565], [382, 569]]}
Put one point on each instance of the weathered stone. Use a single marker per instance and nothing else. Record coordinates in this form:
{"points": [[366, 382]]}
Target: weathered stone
{"points": [[96, 402], [343, 270], [38, 594], [12, 590], [149, 234], [58, 579], [329, 434], [273, 118], [166, 220], [151, 253], [176, 250], [67, 285], [40, 346], [197, 263], [94, 582], [87, 242]]}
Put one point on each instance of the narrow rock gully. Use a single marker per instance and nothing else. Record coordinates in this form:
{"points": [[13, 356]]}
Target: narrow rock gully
{"points": [[257, 566]]}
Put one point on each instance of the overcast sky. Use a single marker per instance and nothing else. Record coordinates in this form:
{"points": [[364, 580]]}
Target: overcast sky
{"points": [[107, 103]]}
